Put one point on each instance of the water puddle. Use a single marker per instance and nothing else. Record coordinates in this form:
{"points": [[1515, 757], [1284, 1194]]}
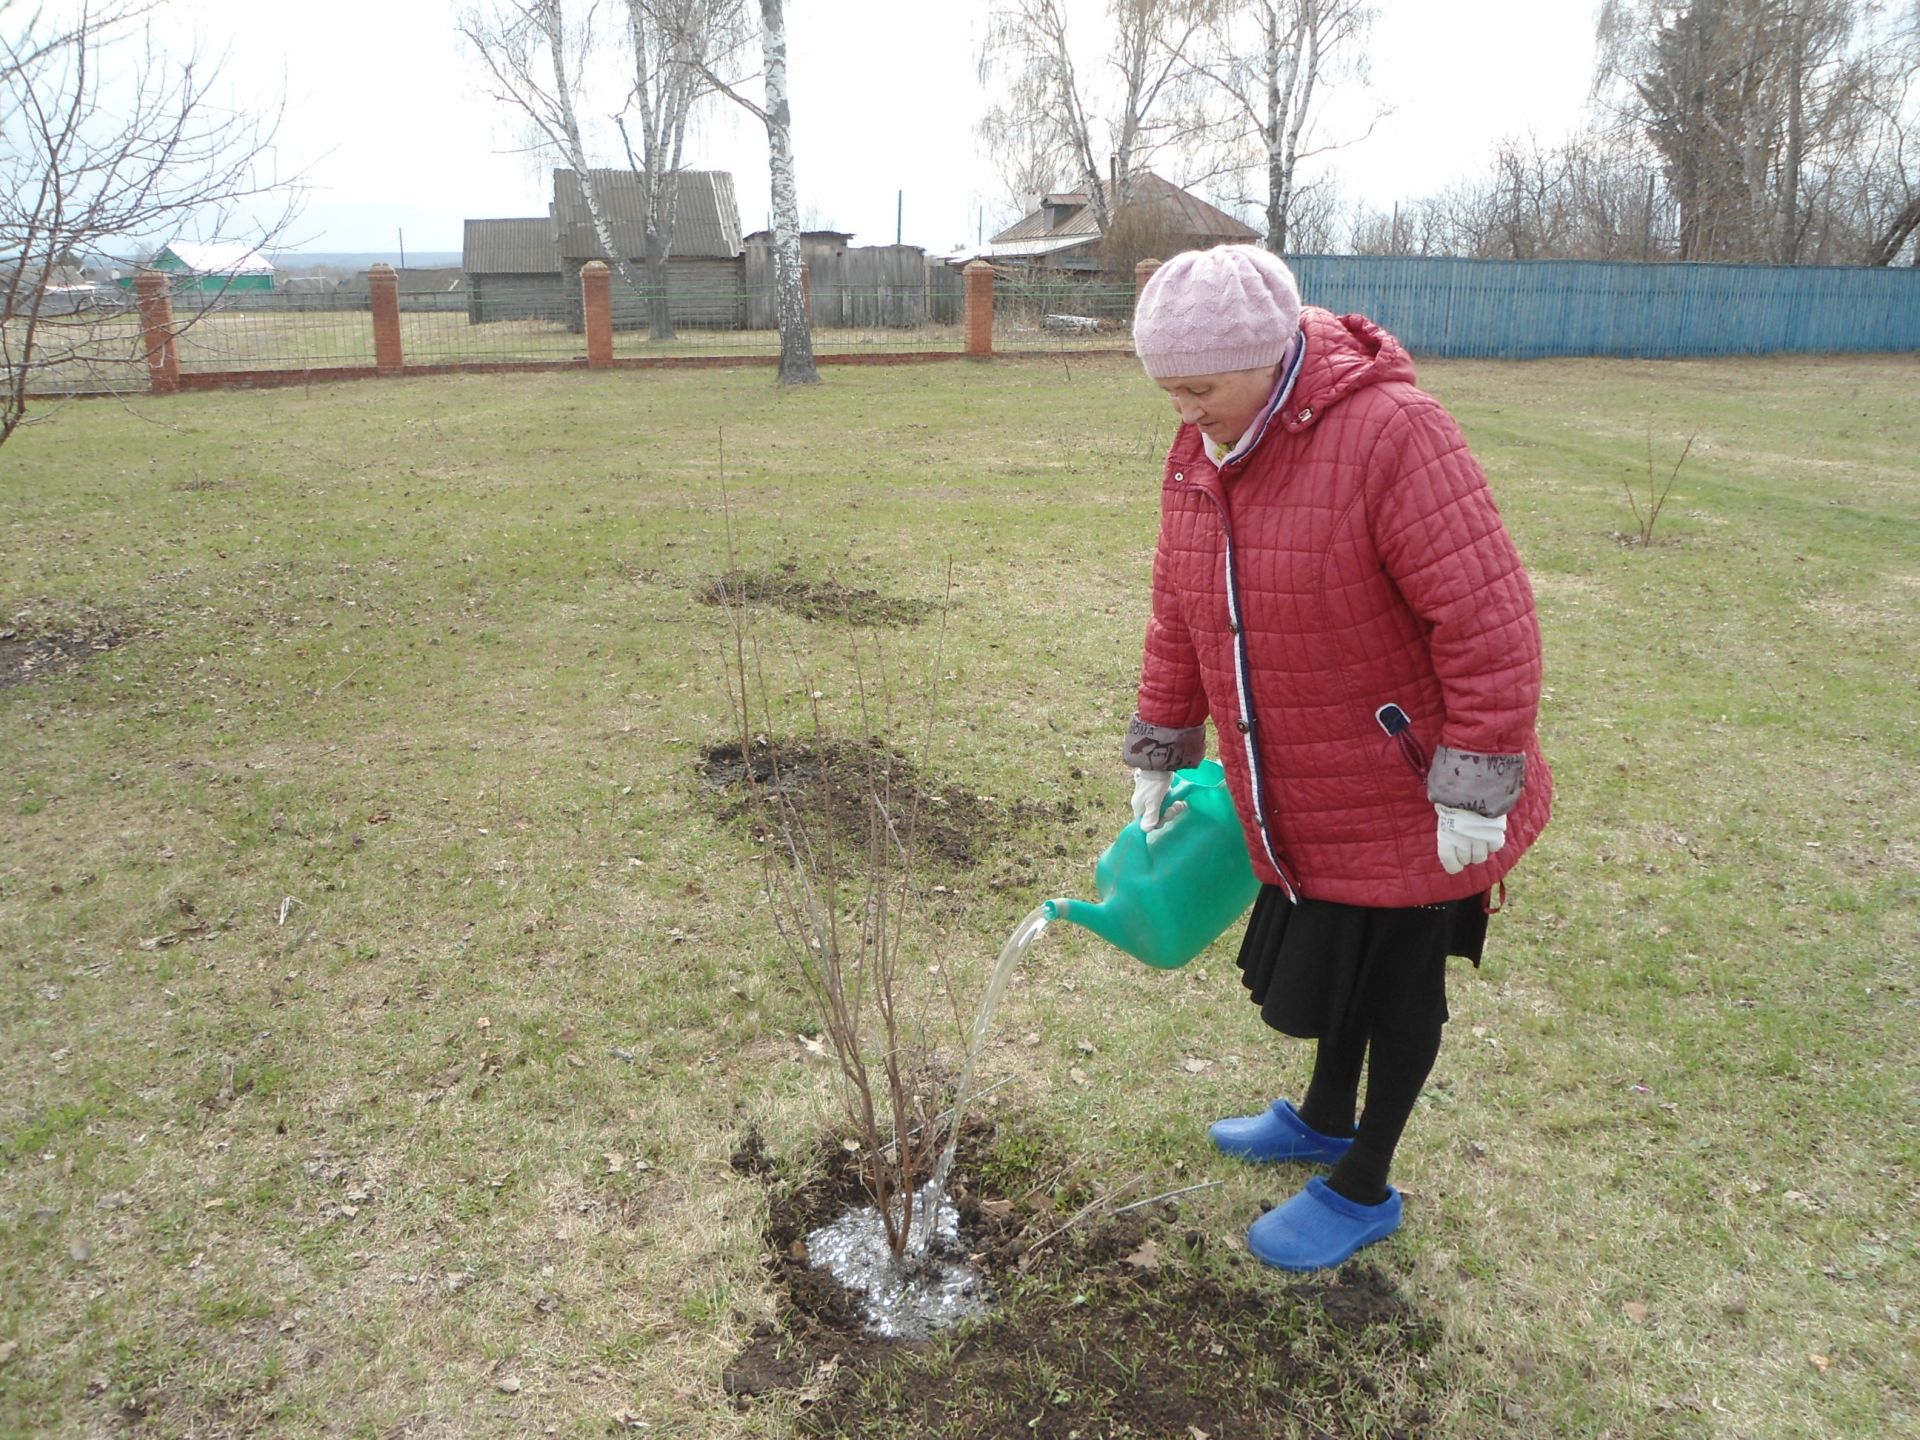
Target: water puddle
{"points": [[910, 1298]]}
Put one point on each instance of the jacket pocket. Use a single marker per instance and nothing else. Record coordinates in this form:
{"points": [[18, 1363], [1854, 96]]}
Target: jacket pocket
{"points": [[1399, 729]]}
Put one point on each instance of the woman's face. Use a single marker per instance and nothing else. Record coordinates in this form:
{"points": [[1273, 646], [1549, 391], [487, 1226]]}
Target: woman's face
{"points": [[1222, 405]]}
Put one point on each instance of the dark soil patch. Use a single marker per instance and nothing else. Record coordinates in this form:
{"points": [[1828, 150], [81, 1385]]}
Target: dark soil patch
{"points": [[26, 656], [1132, 1325], [813, 599], [836, 787]]}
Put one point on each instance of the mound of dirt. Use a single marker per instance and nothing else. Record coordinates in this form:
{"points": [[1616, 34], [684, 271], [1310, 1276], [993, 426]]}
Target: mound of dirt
{"points": [[27, 654], [1129, 1325], [839, 788], [813, 599]]}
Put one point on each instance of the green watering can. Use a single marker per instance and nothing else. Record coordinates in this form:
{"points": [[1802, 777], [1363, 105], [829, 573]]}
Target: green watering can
{"points": [[1168, 894]]}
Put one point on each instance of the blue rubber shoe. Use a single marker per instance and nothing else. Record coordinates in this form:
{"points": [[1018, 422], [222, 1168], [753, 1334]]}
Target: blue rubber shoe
{"points": [[1279, 1134], [1320, 1228]]}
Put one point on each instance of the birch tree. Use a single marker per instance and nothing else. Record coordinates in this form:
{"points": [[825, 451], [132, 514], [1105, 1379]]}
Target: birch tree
{"points": [[776, 115], [109, 146], [1269, 63], [536, 55], [670, 41], [1135, 109]]}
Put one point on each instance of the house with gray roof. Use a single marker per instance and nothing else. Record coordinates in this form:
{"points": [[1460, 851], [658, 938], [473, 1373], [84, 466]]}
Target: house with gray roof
{"points": [[513, 271], [530, 267], [703, 268], [1061, 234]]}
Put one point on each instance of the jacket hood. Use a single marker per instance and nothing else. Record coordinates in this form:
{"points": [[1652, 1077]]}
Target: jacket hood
{"points": [[1345, 353]]}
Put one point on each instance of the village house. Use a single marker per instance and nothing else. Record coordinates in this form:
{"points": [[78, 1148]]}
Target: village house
{"points": [[1060, 235]]}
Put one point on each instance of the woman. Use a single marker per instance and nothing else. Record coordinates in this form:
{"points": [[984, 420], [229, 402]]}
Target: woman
{"points": [[1334, 588]]}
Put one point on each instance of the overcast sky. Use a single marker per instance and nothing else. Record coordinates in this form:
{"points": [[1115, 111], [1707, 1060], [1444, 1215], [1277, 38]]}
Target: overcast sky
{"points": [[387, 117]]}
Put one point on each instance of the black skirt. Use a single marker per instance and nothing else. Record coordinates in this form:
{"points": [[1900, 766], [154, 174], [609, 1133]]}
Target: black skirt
{"points": [[1318, 969]]}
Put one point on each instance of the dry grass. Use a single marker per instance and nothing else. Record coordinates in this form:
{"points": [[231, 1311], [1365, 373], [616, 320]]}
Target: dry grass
{"points": [[430, 662]]}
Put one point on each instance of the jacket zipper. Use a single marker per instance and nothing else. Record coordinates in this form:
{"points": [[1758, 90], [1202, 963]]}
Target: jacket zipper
{"points": [[1248, 727]]}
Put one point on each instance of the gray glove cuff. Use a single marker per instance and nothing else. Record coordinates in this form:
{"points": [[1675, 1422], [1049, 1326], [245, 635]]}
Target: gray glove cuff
{"points": [[1487, 785], [1157, 747]]}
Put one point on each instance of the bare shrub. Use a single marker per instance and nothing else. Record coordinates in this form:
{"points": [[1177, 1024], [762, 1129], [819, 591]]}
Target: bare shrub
{"points": [[1646, 516], [845, 894]]}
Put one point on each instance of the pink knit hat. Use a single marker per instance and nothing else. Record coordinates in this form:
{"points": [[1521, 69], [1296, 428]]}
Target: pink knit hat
{"points": [[1204, 312]]}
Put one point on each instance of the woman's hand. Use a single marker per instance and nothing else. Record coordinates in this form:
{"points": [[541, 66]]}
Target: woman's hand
{"points": [[1150, 789], [1465, 838]]}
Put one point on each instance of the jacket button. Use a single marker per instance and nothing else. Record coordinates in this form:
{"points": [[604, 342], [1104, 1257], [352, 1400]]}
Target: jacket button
{"points": [[1233, 626], [1179, 475], [1243, 726]]}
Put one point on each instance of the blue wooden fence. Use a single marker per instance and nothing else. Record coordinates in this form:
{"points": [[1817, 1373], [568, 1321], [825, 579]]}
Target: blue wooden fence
{"points": [[1523, 310]]}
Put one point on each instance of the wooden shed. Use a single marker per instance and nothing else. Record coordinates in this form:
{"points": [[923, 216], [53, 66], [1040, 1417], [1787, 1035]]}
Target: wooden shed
{"points": [[512, 270]]}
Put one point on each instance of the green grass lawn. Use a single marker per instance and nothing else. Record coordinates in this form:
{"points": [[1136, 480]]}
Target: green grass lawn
{"points": [[382, 994]]}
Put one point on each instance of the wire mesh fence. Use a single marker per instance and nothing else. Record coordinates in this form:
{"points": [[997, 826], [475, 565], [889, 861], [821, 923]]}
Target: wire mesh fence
{"points": [[1064, 314], [100, 346], [91, 348]]}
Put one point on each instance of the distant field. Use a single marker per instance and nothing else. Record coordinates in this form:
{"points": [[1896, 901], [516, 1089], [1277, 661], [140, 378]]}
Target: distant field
{"points": [[386, 994]]}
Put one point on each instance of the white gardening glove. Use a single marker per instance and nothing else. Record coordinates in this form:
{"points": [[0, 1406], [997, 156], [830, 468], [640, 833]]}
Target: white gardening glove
{"points": [[1150, 789], [1466, 838]]}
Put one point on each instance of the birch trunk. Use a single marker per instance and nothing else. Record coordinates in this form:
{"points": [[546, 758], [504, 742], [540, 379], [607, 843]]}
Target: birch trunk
{"points": [[553, 22], [796, 334]]}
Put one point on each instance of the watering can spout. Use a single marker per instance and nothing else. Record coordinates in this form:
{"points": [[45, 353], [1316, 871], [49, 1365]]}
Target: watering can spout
{"points": [[1164, 898], [1090, 915]]}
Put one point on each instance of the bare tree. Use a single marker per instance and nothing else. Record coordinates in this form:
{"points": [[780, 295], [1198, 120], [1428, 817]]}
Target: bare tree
{"points": [[1135, 109], [790, 302], [671, 42], [1762, 112], [1266, 62], [109, 147], [536, 53]]}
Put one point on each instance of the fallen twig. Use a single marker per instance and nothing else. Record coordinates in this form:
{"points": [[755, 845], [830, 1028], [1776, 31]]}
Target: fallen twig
{"points": [[1170, 1195], [1085, 1211]]}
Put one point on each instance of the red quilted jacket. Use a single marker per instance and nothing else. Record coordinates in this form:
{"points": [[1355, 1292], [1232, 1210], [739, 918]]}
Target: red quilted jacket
{"points": [[1348, 575]]}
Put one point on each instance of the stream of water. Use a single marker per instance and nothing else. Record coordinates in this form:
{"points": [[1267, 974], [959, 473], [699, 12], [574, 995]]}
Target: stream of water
{"points": [[1018, 943], [909, 1297]]}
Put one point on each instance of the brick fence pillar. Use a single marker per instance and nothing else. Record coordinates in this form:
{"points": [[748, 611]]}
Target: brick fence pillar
{"points": [[806, 290], [1142, 273], [154, 294], [384, 286], [979, 279], [596, 301]]}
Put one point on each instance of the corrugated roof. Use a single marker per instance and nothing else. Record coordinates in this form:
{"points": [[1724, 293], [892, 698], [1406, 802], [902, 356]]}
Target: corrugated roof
{"points": [[510, 247], [1190, 216], [706, 223], [1039, 225]]}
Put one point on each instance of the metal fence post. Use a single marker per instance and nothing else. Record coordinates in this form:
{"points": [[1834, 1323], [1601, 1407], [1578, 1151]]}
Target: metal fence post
{"points": [[155, 296], [596, 304], [979, 278], [384, 287]]}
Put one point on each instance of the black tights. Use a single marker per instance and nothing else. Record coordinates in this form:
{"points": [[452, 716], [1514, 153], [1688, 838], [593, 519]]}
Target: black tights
{"points": [[1396, 1073]]}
